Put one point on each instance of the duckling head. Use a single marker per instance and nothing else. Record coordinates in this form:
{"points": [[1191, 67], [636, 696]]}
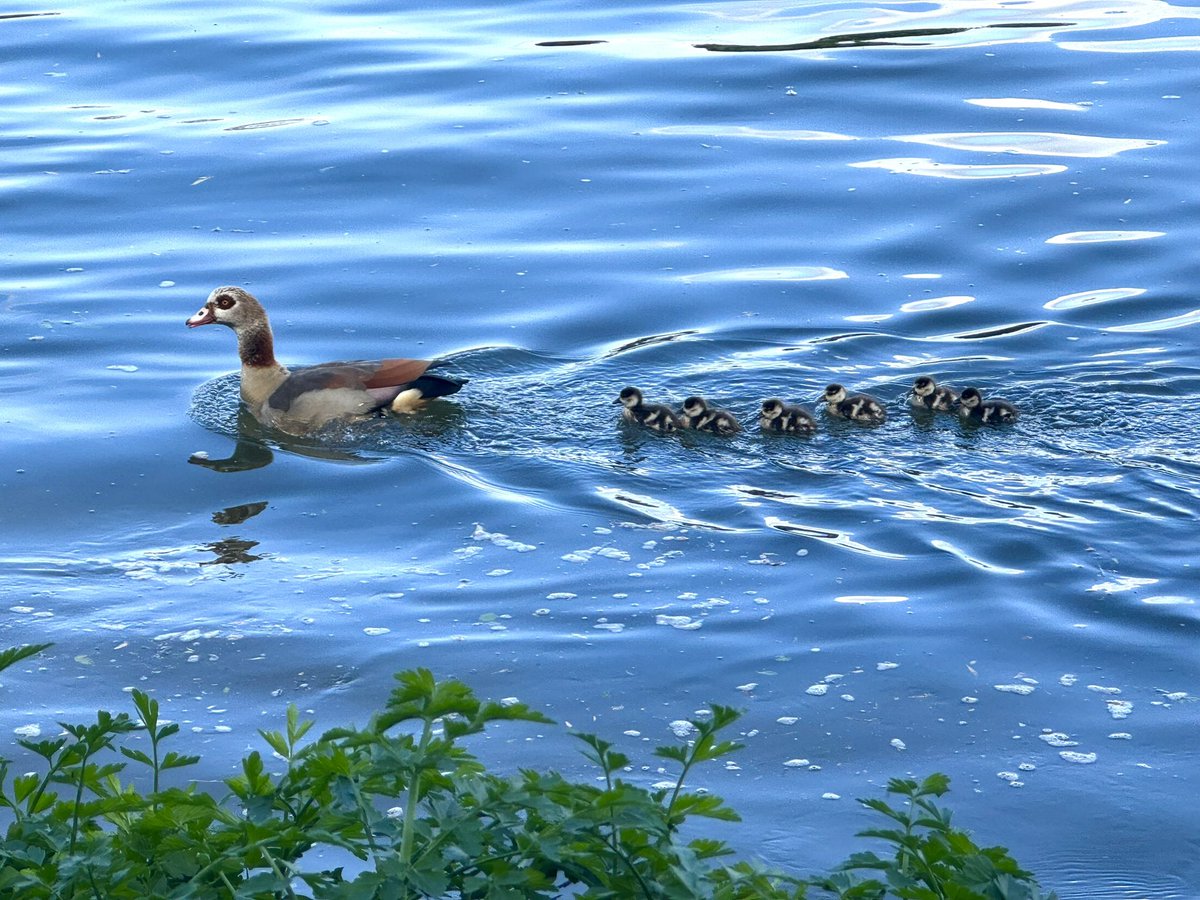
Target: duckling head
{"points": [[924, 386], [773, 408], [970, 397], [629, 398], [835, 393], [694, 406]]}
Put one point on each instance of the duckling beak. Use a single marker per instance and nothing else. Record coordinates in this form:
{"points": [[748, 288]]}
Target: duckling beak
{"points": [[617, 402]]}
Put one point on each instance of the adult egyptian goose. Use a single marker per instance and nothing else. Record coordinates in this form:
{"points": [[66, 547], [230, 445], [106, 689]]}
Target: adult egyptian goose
{"points": [[857, 407], [303, 399]]}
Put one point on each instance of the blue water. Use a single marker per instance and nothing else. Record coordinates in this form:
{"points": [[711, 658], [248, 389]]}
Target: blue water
{"points": [[995, 193]]}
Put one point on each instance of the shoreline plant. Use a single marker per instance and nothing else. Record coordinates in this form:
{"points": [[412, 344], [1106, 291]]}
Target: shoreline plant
{"points": [[422, 817]]}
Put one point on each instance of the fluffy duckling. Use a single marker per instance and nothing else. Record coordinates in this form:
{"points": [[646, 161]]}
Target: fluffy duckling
{"points": [[786, 418], [928, 394], [857, 407], [656, 416], [698, 415], [974, 408]]}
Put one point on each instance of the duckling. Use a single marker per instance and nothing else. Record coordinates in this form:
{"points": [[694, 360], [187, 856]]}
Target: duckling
{"points": [[928, 394], [785, 418], [698, 415], [974, 408], [656, 416], [856, 407]]}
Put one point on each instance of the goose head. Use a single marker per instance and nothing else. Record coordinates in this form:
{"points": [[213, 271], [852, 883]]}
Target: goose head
{"points": [[231, 306]]}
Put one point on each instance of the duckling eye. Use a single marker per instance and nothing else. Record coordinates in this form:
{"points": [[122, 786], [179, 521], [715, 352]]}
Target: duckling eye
{"points": [[225, 302]]}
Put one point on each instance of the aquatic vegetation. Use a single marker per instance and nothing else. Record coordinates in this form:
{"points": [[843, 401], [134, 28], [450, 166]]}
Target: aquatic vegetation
{"points": [[408, 811]]}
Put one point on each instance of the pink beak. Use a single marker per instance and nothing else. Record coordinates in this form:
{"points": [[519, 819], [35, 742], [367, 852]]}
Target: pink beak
{"points": [[204, 317]]}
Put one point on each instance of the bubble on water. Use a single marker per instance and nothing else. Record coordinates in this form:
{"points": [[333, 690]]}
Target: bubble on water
{"points": [[1021, 689], [614, 627], [884, 666], [500, 540], [1068, 680], [831, 796], [1102, 689], [1120, 736], [1010, 777], [788, 720], [31, 730], [817, 690], [122, 368], [796, 763], [1119, 709], [1175, 696], [1027, 767], [898, 744], [682, 728], [747, 687], [374, 631], [561, 595], [969, 700], [496, 573], [1057, 739], [849, 698], [1074, 756], [683, 623]]}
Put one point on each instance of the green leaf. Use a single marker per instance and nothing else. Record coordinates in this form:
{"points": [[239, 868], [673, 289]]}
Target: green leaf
{"points": [[277, 742], [13, 655], [175, 760], [137, 756]]}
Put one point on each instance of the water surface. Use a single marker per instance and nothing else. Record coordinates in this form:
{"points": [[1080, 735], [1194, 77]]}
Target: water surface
{"points": [[730, 199]]}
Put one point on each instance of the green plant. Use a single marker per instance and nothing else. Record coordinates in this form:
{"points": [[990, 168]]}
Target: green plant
{"points": [[932, 859], [410, 812]]}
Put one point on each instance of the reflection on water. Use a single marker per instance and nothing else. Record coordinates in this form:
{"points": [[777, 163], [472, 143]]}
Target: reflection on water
{"points": [[229, 551], [236, 515], [902, 37]]}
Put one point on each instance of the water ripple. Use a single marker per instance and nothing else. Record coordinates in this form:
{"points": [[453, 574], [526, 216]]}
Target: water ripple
{"points": [[1095, 237], [828, 536], [1035, 143], [959, 171]]}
